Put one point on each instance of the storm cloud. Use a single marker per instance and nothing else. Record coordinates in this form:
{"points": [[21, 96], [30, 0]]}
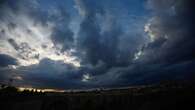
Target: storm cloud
{"points": [[95, 43], [101, 37], [169, 52], [171, 30], [7, 60]]}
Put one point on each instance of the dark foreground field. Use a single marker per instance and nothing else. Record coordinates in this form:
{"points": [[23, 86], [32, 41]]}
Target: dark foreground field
{"points": [[140, 98]]}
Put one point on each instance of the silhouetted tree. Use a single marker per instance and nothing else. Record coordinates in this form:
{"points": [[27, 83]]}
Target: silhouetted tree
{"points": [[9, 89]]}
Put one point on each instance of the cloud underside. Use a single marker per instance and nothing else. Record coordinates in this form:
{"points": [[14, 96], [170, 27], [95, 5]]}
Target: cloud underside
{"points": [[95, 45]]}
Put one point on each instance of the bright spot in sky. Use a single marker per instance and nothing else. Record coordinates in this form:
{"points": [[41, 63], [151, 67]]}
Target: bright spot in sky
{"points": [[147, 29], [86, 77], [138, 54], [12, 66], [18, 78]]}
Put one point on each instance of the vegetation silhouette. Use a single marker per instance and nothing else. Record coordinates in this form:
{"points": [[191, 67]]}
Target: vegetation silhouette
{"points": [[164, 96], [9, 89]]}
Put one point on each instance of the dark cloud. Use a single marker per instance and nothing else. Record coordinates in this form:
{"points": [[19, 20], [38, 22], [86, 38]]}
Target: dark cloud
{"points": [[173, 29], [50, 74], [104, 44], [169, 55], [3, 2], [155, 73], [89, 34], [158, 43], [101, 38], [25, 51], [14, 44], [62, 33], [6, 60]]}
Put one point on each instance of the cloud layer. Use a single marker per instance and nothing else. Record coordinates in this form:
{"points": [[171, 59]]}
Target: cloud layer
{"points": [[87, 44]]}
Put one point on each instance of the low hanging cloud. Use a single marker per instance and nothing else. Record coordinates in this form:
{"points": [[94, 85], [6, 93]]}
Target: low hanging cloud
{"points": [[50, 74]]}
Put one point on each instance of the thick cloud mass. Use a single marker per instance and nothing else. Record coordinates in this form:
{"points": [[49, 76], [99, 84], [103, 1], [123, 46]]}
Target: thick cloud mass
{"points": [[172, 31], [101, 37], [7, 60], [95, 43]]}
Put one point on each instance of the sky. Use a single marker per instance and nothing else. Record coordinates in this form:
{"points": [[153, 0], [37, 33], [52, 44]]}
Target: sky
{"points": [[78, 44]]}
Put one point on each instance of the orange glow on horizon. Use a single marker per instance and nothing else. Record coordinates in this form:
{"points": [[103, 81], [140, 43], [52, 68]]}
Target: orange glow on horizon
{"points": [[39, 90]]}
